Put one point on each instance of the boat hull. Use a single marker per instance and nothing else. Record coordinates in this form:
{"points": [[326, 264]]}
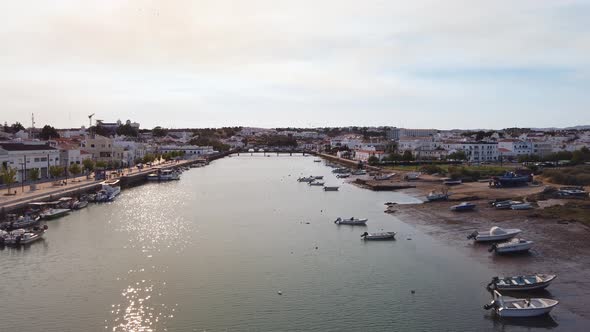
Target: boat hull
{"points": [[529, 312], [514, 249], [495, 238]]}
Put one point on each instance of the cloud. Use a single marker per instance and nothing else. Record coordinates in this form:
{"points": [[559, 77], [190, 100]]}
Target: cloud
{"points": [[344, 61]]}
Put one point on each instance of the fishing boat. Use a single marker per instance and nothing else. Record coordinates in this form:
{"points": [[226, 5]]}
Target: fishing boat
{"points": [[465, 206], [505, 205], [434, 196], [15, 221], [306, 179], [341, 170], [413, 176], [384, 177], [516, 245], [494, 234], [510, 307], [378, 236], [110, 190], [572, 192], [79, 204], [342, 176], [22, 236], [53, 213], [510, 179], [521, 283], [452, 182], [331, 188], [316, 183], [521, 206], [350, 221]]}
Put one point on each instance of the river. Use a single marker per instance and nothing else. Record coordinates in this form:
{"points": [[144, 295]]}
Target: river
{"points": [[212, 251]]}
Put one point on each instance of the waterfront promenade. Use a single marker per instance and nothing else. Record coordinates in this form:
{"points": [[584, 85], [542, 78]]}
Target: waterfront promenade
{"points": [[21, 196]]}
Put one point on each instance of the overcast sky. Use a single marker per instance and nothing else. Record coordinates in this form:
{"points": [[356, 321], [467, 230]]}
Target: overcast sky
{"points": [[203, 63]]}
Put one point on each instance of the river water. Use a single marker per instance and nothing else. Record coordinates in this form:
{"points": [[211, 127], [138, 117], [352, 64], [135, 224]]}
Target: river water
{"points": [[211, 253]]}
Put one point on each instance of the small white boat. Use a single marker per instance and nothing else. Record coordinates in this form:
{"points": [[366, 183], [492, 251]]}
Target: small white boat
{"points": [[316, 183], [452, 182], [522, 206], [53, 213], [168, 175], [515, 245], [378, 236], [413, 175], [494, 234], [328, 188], [153, 177], [350, 221], [384, 177], [510, 307], [521, 283], [22, 236]]}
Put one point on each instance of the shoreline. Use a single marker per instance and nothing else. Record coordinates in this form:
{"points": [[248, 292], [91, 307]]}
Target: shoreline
{"points": [[561, 245]]}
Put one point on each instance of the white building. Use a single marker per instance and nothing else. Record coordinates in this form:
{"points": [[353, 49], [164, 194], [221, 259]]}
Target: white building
{"points": [[25, 156], [189, 150], [351, 143], [514, 148]]}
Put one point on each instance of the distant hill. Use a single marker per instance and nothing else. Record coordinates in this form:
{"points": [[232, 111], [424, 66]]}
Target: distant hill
{"points": [[566, 128]]}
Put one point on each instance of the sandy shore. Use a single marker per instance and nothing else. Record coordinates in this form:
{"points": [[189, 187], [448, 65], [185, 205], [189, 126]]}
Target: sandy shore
{"points": [[560, 247]]}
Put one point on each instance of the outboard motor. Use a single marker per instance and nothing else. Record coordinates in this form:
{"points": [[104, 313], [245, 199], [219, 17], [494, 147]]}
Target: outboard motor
{"points": [[493, 247], [472, 235], [492, 285], [364, 234], [492, 305]]}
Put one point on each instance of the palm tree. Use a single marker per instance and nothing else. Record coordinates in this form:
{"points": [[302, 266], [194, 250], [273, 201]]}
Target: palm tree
{"points": [[8, 175]]}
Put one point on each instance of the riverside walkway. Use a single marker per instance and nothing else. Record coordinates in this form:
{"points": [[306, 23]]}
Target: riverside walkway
{"points": [[21, 196]]}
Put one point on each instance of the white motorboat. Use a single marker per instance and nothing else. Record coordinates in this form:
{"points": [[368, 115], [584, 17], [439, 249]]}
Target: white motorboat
{"points": [[22, 236], [494, 234], [316, 183], [511, 307], [351, 221], [169, 175], [378, 236], [153, 177], [515, 245], [111, 189], [331, 188], [521, 206], [53, 213], [413, 175], [384, 177], [521, 283]]}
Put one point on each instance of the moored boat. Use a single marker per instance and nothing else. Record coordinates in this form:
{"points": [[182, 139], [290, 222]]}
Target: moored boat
{"points": [[306, 179], [359, 172], [452, 182], [316, 183], [318, 177], [521, 206], [350, 221], [510, 307], [494, 234], [342, 176], [53, 213], [516, 245], [331, 188], [317, 160], [413, 175], [378, 236], [434, 196], [465, 206], [22, 236], [521, 283], [384, 177]]}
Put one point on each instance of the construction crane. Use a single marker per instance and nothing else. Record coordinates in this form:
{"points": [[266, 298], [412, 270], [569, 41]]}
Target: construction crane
{"points": [[90, 120]]}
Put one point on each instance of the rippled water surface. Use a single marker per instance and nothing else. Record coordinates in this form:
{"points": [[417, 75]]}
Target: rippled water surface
{"points": [[212, 251]]}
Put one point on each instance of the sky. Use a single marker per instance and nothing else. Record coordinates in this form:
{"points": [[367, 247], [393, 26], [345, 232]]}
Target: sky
{"points": [[297, 63]]}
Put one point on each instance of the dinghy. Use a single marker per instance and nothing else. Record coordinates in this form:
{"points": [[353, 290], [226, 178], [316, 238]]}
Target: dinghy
{"points": [[329, 188], [509, 307], [521, 283], [378, 236], [515, 245], [351, 221], [494, 234], [465, 206], [316, 183]]}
